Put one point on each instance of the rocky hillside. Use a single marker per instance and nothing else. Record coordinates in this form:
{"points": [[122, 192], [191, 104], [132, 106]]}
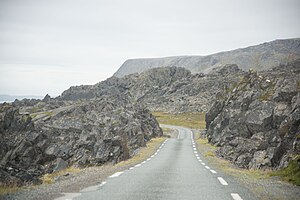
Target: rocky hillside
{"points": [[175, 88], [46, 136], [256, 122], [259, 57]]}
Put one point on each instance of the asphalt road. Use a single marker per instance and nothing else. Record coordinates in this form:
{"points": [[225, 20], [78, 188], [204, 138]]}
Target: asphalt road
{"points": [[175, 171]]}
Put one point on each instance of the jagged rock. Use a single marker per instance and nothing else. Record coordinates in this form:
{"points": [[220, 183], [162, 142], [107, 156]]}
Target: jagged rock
{"points": [[47, 98], [259, 116], [59, 165], [256, 124], [174, 87], [92, 132]]}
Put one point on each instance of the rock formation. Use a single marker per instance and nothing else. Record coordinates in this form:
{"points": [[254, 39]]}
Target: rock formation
{"points": [[175, 88], [255, 123], [46, 138]]}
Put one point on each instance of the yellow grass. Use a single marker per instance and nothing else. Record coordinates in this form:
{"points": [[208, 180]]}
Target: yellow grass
{"points": [[49, 178], [191, 120], [8, 189]]}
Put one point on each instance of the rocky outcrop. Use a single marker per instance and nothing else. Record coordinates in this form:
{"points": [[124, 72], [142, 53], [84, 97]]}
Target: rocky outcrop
{"points": [[175, 88], [255, 123], [259, 57], [87, 133]]}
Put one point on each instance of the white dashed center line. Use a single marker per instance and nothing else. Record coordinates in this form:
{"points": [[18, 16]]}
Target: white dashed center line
{"points": [[236, 196], [213, 171], [207, 167], [222, 181]]}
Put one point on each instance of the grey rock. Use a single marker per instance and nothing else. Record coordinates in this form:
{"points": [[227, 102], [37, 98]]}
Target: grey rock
{"points": [[59, 165], [258, 124], [259, 116]]}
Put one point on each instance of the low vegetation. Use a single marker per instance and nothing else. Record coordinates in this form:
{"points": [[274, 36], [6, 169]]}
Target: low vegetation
{"points": [[191, 120], [291, 173], [50, 178], [8, 189]]}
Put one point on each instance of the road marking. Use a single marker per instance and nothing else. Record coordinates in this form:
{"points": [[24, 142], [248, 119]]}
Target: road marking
{"points": [[68, 196], [236, 196], [152, 156], [207, 167], [143, 162], [203, 163], [131, 168], [116, 174], [155, 153], [222, 181], [178, 137], [195, 152], [194, 145], [197, 157], [138, 165], [200, 160], [148, 159], [194, 148], [213, 171]]}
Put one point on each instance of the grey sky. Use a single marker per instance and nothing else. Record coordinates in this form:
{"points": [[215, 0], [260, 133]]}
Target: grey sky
{"points": [[48, 46]]}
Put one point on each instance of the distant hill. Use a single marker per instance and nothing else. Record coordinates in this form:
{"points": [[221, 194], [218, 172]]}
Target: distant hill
{"points": [[260, 57], [10, 98]]}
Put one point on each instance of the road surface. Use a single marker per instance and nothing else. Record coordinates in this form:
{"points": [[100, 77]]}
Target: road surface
{"points": [[175, 171]]}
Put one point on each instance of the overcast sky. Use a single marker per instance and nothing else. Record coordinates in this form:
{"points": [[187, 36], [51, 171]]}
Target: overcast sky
{"points": [[46, 46]]}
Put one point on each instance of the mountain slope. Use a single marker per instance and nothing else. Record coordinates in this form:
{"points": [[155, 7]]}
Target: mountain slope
{"points": [[260, 57]]}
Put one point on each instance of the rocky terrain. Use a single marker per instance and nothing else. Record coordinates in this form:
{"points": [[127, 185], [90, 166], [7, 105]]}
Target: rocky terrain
{"points": [[259, 57], [253, 117], [45, 136], [256, 122], [169, 89]]}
